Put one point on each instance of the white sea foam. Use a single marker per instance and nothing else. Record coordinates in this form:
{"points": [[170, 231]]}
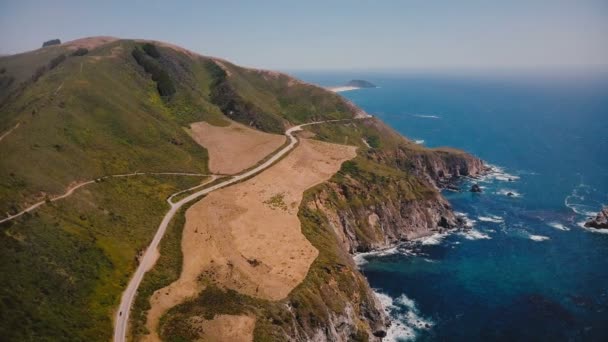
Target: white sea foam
{"points": [[577, 208], [361, 258], [592, 230], [506, 192], [491, 218], [578, 201], [406, 319], [558, 225], [434, 239], [538, 238], [469, 223], [419, 141], [426, 116], [473, 234], [498, 173]]}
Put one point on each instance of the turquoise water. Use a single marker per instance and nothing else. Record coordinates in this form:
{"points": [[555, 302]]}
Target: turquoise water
{"points": [[527, 271]]}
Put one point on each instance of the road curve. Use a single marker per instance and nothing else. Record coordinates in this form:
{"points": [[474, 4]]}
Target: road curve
{"points": [[151, 253]]}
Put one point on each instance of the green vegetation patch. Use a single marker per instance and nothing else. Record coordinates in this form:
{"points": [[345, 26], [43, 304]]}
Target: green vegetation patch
{"points": [[64, 266], [277, 201], [164, 83]]}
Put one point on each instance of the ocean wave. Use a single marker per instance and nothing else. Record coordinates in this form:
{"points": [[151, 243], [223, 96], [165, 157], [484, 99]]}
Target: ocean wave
{"points": [[558, 225], [506, 192], [578, 208], [580, 200], [473, 234], [592, 230], [426, 116], [498, 173], [419, 141], [538, 238], [407, 321], [491, 218], [361, 258], [468, 222], [434, 239]]}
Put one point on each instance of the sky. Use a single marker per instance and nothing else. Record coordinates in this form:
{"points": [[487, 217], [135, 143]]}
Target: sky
{"points": [[335, 35]]}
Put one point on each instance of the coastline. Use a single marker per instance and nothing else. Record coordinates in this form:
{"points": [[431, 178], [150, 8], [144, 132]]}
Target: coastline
{"points": [[341, 89]]}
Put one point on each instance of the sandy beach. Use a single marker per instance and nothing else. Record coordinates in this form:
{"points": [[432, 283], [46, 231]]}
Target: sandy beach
{"points": [[342, 88]]}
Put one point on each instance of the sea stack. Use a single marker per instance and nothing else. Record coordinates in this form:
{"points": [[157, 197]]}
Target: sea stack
{"points": [[600, 221], [475, 188]]}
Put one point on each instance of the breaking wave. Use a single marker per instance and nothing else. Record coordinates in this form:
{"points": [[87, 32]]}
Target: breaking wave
{"points": [[538, 238], [426, 116], [473, 234], [361, 258], [491, 218], [407, 321], [558, 225]]}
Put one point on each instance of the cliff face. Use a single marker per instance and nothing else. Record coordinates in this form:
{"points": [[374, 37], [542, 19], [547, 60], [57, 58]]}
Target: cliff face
{"points": [[382, 197]]}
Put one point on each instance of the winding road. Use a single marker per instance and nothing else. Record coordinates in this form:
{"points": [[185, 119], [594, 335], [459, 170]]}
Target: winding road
{"points": [[151, 254], [71, 190]]}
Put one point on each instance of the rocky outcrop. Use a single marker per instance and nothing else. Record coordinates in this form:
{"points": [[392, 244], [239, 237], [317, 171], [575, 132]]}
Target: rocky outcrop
{"points": [[600, 221], [475, 188], [385, 220], [442, 167], [369, 206]]}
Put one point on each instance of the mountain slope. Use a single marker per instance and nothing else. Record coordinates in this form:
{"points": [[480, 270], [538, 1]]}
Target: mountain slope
{"points": [[123, 106]]}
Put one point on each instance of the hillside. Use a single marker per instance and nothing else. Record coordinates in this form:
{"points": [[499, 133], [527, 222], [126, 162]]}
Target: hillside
{"points": [[103, 106]]}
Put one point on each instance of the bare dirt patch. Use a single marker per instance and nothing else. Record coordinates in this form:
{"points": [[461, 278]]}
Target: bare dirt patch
{"points": [[235, 147], [90, 42], [247, 237], [225, 328]]}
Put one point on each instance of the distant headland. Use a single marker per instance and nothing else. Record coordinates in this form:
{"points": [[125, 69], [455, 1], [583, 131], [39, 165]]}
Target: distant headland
{"points": [[352, 85]]}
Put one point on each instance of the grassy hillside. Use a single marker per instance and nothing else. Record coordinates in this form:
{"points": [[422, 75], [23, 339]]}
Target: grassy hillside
{"points": [[87, 110], [94, 108], [64, 267]]}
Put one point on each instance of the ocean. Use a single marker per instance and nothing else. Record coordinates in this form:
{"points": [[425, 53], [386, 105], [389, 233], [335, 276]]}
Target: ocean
{"points": [[527, 270]]}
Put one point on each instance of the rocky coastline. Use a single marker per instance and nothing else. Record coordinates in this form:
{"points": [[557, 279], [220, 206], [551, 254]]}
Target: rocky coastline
{"points": [[600, 221]]}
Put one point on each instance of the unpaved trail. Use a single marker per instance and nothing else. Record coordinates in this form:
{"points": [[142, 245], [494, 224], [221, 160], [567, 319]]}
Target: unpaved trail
{"points": [[248, 237], [5, 134], [151, 253], [71, 190], [235, 147]]}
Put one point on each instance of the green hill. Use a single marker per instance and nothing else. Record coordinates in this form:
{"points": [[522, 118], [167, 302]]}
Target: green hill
{"points": [[96, 107]]}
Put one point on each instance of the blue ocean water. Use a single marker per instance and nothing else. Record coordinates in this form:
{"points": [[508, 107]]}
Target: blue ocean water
{"points": [[527, 271]]}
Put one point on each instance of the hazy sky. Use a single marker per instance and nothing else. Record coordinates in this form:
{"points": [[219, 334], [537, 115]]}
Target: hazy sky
{"points": [[327, 34]]}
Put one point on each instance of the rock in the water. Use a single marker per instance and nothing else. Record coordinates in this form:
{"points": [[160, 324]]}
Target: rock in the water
{"points": [[475, 188], [380, 333], [510, 194], [600, 221]]}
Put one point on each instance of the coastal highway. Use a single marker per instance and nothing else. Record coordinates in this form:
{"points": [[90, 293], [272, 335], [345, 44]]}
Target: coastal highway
{"points": [[151, 254]]}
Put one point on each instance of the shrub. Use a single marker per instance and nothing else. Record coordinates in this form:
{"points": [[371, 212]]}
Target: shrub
{"points": [[151, 50], [2, 71], [373, 141], [80, 52], [164, 84], [56, 61], [349, 167], [51, 42], [38, 73]]}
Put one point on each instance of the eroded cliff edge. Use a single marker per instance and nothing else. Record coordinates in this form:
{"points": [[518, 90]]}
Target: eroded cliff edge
{"points": [[388, 194]]}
